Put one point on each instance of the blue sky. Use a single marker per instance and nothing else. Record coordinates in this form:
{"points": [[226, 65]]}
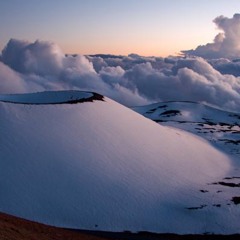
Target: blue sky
{"points": [[146, 27]]}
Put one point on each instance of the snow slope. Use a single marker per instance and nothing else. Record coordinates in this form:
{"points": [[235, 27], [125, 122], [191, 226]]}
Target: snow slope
{"points": [[220, 127], [80, 160]]}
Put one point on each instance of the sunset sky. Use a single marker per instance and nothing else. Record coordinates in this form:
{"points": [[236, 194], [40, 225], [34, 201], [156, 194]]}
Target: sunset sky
{"points": [[145, 27]]}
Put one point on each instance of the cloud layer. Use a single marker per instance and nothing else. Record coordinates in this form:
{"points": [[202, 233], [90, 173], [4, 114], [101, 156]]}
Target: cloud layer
{"points": [[226, 44], [131, 80]]}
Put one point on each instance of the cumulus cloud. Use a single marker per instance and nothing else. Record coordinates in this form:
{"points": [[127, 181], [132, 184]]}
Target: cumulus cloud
{"points": [[38, 66], [41, 58], [131, 80], [192, 79], [226, 44], [111, 75], [226, 66]]}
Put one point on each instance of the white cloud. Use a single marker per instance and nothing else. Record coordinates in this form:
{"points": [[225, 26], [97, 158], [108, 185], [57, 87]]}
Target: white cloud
{"points": [[42, 66], [131, 80], [192, 79], [226, 66], [111, 75], [42, 58], [226, 44]]}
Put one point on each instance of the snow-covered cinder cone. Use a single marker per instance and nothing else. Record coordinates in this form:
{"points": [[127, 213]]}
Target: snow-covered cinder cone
{"points": [[79, 160]]}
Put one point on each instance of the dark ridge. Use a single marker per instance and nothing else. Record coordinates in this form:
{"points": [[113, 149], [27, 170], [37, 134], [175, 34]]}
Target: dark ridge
{"points": [[151, 110], [209, 128], [216, 205], [236, 132], [230, 178], [224, 124], [196, 208], [203, 191], [170, 113], [163, 106], [227, 130], [210, 123], [158, 120], [94, 97], [236, 200], [154, 109], [227, 184], [235, 142], [234, 115]]}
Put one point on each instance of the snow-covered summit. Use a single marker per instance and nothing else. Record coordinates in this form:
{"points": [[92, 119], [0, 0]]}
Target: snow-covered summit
{"points": [[99, 165], [220, 127]]}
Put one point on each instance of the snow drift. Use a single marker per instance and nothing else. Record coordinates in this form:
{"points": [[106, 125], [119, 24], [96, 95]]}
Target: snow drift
{"points": [[85, 161]]}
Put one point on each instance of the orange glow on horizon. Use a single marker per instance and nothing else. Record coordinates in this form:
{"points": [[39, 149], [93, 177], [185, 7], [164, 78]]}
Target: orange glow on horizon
{"points": [[159, 51]]}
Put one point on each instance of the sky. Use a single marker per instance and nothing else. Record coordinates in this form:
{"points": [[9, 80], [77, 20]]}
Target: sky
{"points": [[145, 27], [37, 35]]}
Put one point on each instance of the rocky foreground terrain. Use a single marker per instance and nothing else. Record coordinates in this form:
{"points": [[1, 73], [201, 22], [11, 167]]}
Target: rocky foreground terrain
{"points": [[13, 228]]}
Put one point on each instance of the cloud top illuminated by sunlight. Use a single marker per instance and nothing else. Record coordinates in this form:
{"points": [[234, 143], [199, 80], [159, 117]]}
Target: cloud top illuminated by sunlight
{"points": [[226, 44]]}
